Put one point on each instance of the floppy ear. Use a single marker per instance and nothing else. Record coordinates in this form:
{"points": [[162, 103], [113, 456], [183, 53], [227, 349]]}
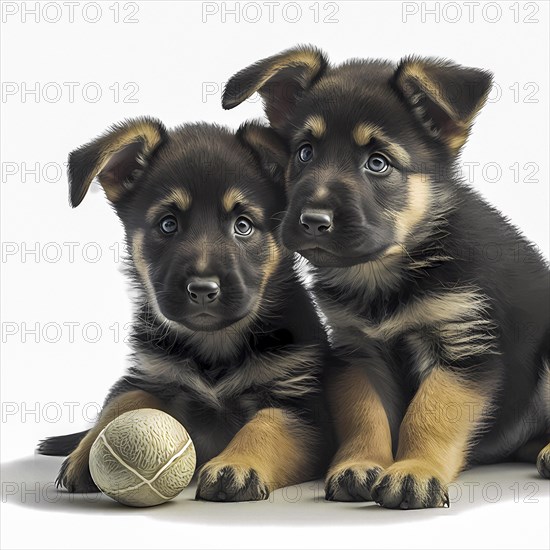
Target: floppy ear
{"points": [[117, 158], [266, 145], [443, 96], [279, 80]]}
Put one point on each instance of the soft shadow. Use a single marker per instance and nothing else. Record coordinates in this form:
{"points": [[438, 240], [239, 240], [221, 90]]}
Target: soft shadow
{"points": [[29, 482]]}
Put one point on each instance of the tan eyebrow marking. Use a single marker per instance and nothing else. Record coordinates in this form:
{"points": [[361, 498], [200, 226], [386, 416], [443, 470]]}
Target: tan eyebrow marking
{"points": [[365, 131], [179, 197], [235, 196], [316, 125], [231, 198]]}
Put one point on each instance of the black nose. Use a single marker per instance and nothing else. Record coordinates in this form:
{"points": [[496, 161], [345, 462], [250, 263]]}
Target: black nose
{"points": [[316, 222], [203, 291]]}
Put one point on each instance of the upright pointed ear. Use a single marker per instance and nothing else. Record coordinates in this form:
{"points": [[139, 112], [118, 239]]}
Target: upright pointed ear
{"points": [[443, 96], [279, 80], [267, 146], [117, 158]]}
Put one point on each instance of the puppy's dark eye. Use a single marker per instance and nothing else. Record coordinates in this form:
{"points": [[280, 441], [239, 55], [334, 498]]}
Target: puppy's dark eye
{"points": [[377, 163], [305, 153], [168, 225], [243, 226]]}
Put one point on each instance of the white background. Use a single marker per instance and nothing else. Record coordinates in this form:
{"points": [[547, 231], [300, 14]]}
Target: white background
{"points": [[172, 62]]}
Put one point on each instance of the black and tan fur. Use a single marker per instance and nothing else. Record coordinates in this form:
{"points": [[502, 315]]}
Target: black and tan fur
{"points": [[239, 362], [448, 348]]}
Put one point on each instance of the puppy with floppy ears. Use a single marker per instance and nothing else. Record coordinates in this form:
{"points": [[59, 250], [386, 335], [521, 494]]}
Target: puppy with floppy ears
{"points": [[448, 350], [225, 338]]}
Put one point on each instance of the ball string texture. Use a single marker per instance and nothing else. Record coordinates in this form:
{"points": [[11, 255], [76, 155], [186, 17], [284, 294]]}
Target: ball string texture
{"points": [[143, 458]]}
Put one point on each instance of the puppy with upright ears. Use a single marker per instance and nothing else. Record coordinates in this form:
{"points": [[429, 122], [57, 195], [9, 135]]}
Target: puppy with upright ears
{"points": [[225, 338], [448, 350]]}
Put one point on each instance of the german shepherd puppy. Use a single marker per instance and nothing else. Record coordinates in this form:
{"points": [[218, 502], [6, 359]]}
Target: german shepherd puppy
{"points": [[438, 303], [225, 338]]}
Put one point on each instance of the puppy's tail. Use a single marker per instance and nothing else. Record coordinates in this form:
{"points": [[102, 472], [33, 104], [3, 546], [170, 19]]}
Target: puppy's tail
{"points": [[60, 445]]}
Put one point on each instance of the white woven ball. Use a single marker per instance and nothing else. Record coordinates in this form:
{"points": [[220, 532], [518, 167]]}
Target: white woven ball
{"points": [[143, 458]]}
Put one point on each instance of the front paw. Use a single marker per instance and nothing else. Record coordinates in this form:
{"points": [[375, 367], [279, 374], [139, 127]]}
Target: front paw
{"points": [[410, 484], [352, 482], [224, 482], [75, 475]]}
